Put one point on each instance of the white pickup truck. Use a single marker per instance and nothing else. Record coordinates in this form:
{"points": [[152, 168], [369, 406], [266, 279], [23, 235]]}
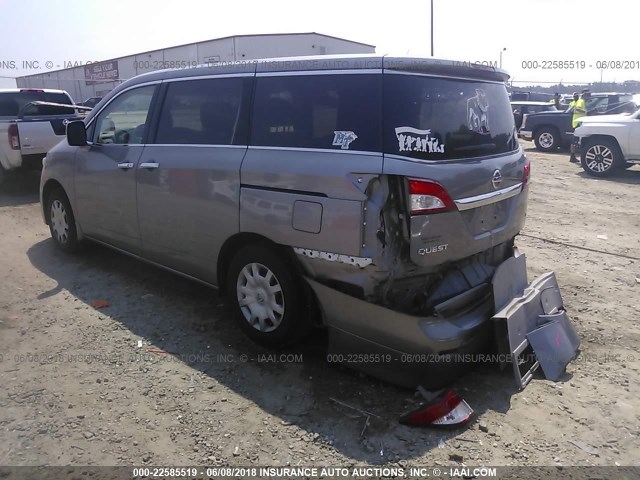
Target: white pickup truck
{"points": [[607, 143], [27, 129]]}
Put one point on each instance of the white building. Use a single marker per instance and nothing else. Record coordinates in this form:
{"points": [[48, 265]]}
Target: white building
{"points": [[97, 79]]}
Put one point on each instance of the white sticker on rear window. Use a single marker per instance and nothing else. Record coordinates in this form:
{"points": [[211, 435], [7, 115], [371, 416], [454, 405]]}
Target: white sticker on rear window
{"points": [[414, 140], [343, 138], [478, 112]]}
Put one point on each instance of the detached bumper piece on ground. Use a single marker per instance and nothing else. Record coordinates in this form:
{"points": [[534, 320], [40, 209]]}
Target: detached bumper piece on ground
{"points": [[532, 330], [531, 325]]}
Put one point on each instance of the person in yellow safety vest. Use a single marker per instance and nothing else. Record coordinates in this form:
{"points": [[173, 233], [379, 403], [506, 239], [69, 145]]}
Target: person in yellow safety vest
{"points": [[576, 97], [579, 111], [556, 100]]}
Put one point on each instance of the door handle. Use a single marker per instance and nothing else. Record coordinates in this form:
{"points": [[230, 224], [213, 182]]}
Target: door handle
{"points": [[149, 165], [125, 165]]}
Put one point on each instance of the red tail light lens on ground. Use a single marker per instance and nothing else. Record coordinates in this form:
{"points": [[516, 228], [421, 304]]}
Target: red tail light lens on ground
{"points": [[445, 411], [428, 197], [14, 137]]}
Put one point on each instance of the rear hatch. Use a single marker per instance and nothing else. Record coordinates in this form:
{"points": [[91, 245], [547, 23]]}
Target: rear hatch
{"points": [[454, 142]]}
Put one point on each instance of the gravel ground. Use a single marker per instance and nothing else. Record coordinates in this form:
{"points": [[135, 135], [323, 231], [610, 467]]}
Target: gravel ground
{"points": [[162, 375]]}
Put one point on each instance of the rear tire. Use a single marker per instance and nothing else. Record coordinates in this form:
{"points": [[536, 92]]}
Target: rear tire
{"points": [[547, 139], [267, 297], [601, 157], [62, 223]]}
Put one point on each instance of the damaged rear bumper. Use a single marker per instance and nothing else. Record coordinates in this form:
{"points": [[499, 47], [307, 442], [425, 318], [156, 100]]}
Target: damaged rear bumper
{"points": [[402, 349], [530, 318], [432, 351]]}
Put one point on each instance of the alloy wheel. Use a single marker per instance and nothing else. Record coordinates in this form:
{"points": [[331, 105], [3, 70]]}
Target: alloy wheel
{"points": [[599, 158]]}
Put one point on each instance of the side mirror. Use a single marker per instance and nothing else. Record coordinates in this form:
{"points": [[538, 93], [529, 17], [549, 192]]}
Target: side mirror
{"points": [[77, 133]]}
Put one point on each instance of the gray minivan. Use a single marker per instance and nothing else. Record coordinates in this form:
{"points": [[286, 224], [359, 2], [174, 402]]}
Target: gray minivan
{"points": [[375, 196]]}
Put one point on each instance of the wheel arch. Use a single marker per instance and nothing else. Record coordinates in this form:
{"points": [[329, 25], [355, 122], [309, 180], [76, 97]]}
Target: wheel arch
{"points": [[51, 185], [601, 136], [240, 240], [546, 126]]}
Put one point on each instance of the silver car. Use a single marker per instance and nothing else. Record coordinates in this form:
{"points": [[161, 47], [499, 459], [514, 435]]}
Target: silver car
{"points": [[375, 196]]}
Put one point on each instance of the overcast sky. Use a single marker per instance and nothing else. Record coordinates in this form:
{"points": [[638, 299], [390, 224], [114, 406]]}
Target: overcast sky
{"points": [[470, 30]]}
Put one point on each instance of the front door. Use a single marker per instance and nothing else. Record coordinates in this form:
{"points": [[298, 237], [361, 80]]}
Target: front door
{"points": [[105, 170], [633, 151]]}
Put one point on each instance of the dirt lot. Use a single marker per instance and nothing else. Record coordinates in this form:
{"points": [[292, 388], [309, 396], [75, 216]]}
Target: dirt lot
{"points": [[89, 386]]}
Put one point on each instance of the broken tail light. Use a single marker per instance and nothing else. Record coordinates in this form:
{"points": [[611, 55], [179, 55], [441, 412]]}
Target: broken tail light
{"points": [[14, 137], [447, 410], [526, 172], [428, 197]]}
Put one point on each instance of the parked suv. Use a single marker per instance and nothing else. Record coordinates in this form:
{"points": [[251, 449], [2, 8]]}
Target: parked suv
{"points": [[609, 143], [378, 197], [553, 130]]}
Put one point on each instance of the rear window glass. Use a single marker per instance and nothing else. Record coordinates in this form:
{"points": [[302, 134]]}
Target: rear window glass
{"points": [[610, 104], [537, 108], [339, 112], [440, 119], [12, 102]]}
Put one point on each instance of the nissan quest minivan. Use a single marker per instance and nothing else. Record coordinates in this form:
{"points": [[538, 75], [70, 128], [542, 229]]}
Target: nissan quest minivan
{"points": [[374, 196]]}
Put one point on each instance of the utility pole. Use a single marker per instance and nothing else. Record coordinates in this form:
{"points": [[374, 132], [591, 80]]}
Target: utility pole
{"points": [[432, 28]]}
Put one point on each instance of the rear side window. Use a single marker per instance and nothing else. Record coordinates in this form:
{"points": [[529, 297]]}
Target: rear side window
{"points": [[539, 108], [12, 102], [442, 119], [340, 112], [600, 104], [205, 112]]}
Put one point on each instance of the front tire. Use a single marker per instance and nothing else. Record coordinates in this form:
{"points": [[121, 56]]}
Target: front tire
{"points": [[601, 157], [62, 223], [547, 139], [267, 297]]}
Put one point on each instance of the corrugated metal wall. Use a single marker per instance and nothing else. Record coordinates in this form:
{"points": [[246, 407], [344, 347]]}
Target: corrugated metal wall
{"points": [[73, 80]]}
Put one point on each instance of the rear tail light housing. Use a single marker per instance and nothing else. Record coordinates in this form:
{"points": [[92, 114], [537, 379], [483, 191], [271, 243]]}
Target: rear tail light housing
{"points": [[428, 197], [14, 137], [447, 410], [526, 172]]}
